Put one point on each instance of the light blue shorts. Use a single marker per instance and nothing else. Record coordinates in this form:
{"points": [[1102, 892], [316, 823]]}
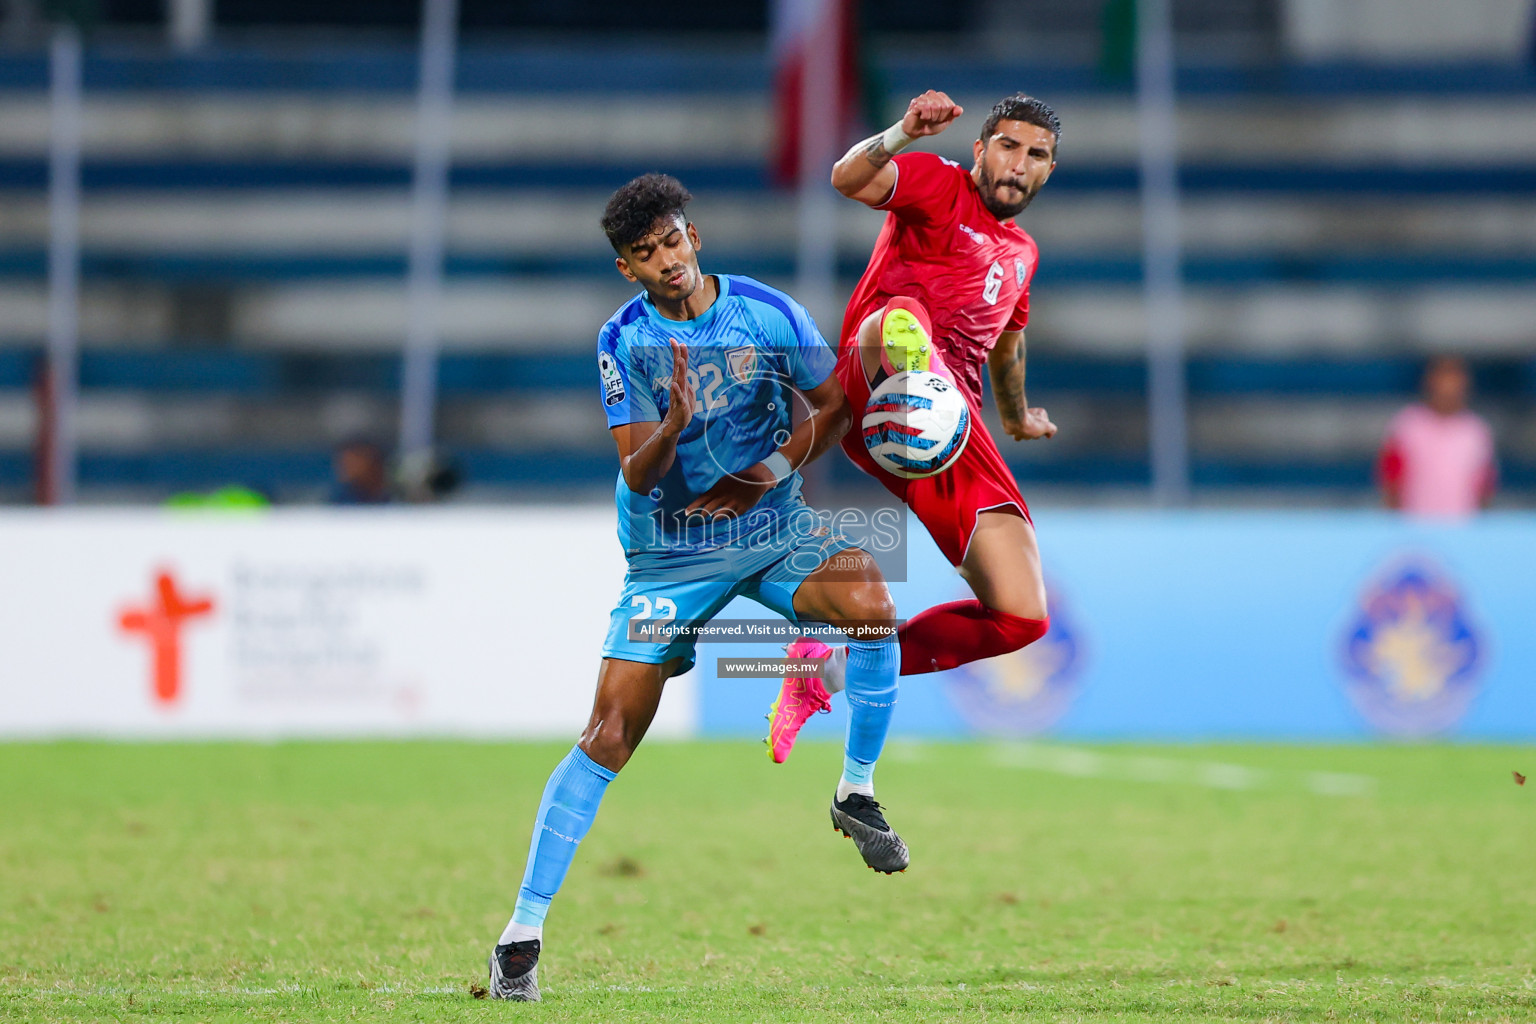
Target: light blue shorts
{"points": [[662, 604]]}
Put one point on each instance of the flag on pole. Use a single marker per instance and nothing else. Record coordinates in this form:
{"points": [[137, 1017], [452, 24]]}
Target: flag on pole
{"points": [[804, 31]]}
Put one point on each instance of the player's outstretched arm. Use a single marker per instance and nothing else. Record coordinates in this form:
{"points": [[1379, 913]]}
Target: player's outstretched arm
{"points": [[646, 449], [864, 173], [1006, 365], [830, 418]]}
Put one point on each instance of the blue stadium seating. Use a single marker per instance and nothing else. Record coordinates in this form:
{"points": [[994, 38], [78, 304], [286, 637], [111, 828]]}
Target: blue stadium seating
{"points": [[185, 364]]}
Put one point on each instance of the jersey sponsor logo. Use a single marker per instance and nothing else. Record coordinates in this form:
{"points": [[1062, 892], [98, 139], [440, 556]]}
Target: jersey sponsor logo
{"points": [[1029, 690], [613, 380], [1018, 271], [1411, 654], [742, 362], [976, 236], [994, 283]]}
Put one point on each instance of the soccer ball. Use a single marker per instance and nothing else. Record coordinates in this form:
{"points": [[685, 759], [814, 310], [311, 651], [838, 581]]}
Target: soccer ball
{"points": [[916, 424]]}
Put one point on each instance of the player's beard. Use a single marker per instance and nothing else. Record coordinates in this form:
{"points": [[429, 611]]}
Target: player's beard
{"points": [[1000, 209]]}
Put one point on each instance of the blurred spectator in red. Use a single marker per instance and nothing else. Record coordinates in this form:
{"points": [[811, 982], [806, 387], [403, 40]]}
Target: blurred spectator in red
{"points": [[1438, 458]]}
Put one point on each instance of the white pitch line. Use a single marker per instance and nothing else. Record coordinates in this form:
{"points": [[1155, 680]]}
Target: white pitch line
{"points": [[1081, 763], [904, 751], [205, 992], [1230, 776], [1341, 784]]}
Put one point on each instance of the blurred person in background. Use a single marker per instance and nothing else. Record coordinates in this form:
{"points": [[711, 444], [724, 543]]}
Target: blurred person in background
{"points": [[360, 472], [1438, 457], [233, 497], [427, 477]]}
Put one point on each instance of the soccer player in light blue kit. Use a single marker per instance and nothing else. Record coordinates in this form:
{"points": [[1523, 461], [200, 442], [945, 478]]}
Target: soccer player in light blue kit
{"points": [[696, 375]]}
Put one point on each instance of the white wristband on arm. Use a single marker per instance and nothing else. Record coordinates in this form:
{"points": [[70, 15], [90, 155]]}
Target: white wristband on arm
{"points": [[779, 466], [895, 140]]}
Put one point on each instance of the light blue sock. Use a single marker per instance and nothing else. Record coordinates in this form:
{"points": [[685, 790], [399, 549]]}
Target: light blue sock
{"points": [[871, 691], [571, 796]]}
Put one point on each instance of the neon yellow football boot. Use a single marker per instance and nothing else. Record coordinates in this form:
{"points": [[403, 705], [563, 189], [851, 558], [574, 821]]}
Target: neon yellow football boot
{"points": [[905, 344]]}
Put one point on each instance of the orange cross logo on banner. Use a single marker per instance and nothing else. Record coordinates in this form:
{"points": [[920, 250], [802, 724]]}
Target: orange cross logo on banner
{"points": [[161, 622]]}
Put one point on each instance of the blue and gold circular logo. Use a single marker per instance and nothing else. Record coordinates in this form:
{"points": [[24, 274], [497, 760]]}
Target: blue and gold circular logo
{"points": [[1411, 653], [1026, 691]]}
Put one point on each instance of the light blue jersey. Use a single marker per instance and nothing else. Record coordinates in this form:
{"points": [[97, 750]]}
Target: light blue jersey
{"points": [[747, 355], [744, 353]]}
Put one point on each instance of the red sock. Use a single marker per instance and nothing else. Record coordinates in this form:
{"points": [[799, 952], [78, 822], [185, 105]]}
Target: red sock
{"points": [[952, 634]]}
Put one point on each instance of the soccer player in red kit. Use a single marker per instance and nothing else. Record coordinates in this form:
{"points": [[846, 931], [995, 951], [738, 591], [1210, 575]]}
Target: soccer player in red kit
{"points": [[947, 290]]}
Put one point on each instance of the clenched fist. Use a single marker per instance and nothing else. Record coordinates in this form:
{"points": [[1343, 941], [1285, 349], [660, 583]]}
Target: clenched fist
{"points": [[929, 114]]}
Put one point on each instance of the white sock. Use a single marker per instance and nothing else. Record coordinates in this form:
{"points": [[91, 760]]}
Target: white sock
{"points": [[835, 676], [844, 788], [522, 932]]}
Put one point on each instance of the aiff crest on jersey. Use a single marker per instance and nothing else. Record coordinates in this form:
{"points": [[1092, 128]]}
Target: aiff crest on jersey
{"points": [[1411, 654], [1026, 691]]}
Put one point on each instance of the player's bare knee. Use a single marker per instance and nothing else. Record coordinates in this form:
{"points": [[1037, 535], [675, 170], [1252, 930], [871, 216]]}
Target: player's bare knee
{"points": [[874, 603], [1024, 604], [1036, 603], [870, 345], [609, 742], [869, 330], [869, 608]]}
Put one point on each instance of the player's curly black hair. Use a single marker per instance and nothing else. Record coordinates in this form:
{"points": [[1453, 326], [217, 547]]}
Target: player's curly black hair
{"points": [[635, 208], [1021, 107]]}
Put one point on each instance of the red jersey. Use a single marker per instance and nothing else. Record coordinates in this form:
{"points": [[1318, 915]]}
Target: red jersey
{"points": [[941, 245]]}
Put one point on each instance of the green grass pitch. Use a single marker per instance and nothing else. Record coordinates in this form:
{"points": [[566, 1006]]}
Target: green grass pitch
{"points": [[340, 881]]}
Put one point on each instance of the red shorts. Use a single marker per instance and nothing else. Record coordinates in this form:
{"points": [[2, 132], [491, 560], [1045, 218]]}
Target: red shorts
{"points": [[947, 504]]}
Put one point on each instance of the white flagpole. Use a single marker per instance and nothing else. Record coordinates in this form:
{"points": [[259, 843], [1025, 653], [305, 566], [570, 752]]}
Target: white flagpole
{"points": [[1162, 252], [190, 23], [821, 91], [63, 264], [429, 212]]}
